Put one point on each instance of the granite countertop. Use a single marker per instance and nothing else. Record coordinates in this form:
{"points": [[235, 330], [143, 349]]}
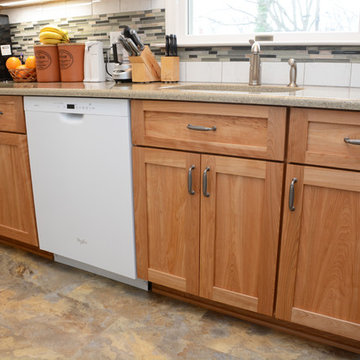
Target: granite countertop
{"points": [[309, 96]]}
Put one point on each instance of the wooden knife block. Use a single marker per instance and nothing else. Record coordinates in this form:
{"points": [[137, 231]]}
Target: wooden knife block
{"points": [[170, 66], [145, 68]]}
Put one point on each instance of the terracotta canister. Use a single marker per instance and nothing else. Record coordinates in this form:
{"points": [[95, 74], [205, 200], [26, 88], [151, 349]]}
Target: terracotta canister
{"points": [[47, 63], [71, 60]]}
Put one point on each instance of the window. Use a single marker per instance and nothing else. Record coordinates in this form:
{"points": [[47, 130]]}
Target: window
{"points": [[233, 22]]}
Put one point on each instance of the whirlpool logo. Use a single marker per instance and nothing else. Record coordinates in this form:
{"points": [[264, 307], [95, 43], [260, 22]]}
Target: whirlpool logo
{"points": [[81, 241]]}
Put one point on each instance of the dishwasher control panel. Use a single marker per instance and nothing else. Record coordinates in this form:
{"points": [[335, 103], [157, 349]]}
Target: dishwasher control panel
{"points": [[78, 105]]}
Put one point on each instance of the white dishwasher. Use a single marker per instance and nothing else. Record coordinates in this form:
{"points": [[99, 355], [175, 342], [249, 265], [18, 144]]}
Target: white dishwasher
{"points": [[80, 159]]}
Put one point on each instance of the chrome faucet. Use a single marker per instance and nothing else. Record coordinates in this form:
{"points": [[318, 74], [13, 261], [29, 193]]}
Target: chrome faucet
{"points": [[255, 64], [293, 73]]}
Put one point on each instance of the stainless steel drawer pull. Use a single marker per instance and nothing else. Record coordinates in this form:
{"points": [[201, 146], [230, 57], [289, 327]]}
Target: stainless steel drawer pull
{"points": [[292, 194], [190, 189], [201, 128], [206, 194], [352, 141]]}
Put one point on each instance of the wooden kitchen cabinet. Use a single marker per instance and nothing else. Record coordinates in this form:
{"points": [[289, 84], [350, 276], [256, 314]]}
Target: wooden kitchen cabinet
{"points": [[12, 118], [167, 218], [239, 232], [319, 274], [17, 214], [17, 217], [239, 221], [222, 247], [228, 129], [325, 138]]}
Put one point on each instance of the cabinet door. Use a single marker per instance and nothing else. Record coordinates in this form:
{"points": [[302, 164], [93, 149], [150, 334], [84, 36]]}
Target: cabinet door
{"points": [[17, 219], [12, 117], [167, 217], [239, 232], [319, 275]]}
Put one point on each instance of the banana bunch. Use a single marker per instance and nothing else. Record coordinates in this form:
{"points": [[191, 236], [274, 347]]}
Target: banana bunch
{"points": [[53, 35]]}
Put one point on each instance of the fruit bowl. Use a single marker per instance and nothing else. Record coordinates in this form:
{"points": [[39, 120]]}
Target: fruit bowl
{"points": [[23, 75]]}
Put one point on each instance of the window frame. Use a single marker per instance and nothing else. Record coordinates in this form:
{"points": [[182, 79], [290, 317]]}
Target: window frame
{"points": [[176, 22]]}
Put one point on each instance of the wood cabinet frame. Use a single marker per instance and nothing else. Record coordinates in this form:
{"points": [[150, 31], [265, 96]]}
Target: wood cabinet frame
{"points": [[316, 137], [262, 269], [186, 260], [157, 240], [17, 213], [149, 117], [293, 274], [306, 128], [12, 117]]}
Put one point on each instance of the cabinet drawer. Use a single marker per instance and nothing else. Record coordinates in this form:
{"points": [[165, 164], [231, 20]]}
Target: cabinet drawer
{"points": [[240, 130], [12, 117], [318, 137]]}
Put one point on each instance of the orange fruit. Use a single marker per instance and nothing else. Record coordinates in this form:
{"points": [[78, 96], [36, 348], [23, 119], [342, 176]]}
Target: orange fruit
{"points": [[22, 71], [12, 63], [30, 62]]}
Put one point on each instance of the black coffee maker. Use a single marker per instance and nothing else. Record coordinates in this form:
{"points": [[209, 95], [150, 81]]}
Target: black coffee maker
{"points": [[5, 47]]}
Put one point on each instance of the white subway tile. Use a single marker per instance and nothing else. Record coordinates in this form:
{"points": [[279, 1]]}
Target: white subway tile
{"points": [[182, 75], [278, 73], [355, 75], [114, 35], [13, 15], [54, 11], [235, 71], [78, 8], [105, 7], [327, 74], [26, 14], [158, 4], [135, 5], [203, 71]]}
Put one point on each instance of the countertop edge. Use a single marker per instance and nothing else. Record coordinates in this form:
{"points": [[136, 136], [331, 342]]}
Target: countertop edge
{"points": [[200, 96]]}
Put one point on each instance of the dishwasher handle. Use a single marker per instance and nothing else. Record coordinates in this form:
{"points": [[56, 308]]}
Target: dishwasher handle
{"points": [[69, 117]]}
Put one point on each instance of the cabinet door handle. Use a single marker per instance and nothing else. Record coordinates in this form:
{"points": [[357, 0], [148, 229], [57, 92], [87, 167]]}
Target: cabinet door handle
{"points": [[292, 194], [352, 141], [205, 180], [201, 128], [190, 189]]}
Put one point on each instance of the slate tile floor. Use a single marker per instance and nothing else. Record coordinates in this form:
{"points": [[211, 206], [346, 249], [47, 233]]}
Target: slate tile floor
{"points": [[51, 311]]}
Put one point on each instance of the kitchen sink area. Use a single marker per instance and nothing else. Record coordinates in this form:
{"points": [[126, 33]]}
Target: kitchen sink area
{"points": [[244, 88]]}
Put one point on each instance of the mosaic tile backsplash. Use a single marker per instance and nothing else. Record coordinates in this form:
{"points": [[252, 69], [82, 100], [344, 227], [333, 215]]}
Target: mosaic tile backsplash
{"points": [[150, 25]]}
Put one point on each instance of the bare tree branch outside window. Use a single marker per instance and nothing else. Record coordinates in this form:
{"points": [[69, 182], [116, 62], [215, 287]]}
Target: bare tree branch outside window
{"points": [[248, 16]]}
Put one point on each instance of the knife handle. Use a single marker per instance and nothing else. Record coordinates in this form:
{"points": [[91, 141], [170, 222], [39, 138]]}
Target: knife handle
{"points": [[127, 32], [171, 53], [133, 47], [167, 45], [175, 46], [136, 39], [125, 45], [115, 53]]}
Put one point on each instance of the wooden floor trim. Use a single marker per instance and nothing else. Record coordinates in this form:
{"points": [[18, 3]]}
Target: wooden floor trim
{"points": [[28, 248], [233, 298], [323, 322], [167, 280], [280, 325]]}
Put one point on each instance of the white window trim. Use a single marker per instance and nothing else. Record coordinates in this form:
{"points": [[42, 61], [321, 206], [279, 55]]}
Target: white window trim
{"points": [[176, 23]]}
